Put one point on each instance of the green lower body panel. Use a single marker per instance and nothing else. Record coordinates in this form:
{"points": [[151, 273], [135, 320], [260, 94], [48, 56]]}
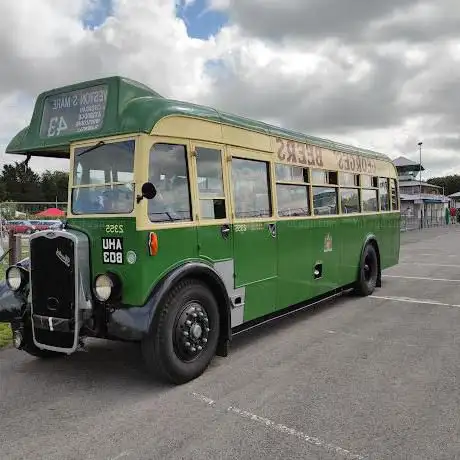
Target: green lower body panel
{"points": [[266, 266]]}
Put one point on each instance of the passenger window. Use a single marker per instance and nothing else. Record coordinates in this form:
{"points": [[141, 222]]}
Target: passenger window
{"points": [[384, 196], [349, 179], [318, 176], [169, 173], [210, 183], [394, 195], [349, 200], [370, 202], [366, 181], [332, 177], [288, 173], [293, 200], [324, 200], [251, 190]]}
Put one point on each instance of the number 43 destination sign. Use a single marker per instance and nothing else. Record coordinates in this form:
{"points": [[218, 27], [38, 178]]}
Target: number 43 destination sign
{"points": [[74, 112]]}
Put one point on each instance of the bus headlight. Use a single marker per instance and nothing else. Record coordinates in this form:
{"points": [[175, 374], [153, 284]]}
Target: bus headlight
{"points": [[16, 278], [107, 286]]}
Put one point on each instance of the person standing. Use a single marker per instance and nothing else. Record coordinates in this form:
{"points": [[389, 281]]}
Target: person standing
{"points": [[453, 212]]}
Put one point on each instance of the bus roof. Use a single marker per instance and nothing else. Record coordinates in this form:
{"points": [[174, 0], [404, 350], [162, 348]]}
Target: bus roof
{"points": [[118, 105]]}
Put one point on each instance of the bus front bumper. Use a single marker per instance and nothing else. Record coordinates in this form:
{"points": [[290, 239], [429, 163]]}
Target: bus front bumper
{"points": [[12, 305], [121, 322]]}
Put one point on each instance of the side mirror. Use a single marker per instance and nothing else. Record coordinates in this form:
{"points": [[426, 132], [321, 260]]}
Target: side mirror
{"points": [[148, 191]]}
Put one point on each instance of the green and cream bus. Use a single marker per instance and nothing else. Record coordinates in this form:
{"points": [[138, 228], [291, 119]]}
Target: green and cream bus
{"points": [[187, 225]]}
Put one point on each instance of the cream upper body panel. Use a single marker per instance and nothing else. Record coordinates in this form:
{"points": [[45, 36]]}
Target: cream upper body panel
{"points": [[281, 150]]}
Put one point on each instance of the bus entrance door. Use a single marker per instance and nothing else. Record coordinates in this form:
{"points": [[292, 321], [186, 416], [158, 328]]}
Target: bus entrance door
{"points": [[254, 236], [215, 242]]}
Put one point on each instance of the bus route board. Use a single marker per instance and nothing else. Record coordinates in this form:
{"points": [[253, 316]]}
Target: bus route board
{"points": [[74, 112]]}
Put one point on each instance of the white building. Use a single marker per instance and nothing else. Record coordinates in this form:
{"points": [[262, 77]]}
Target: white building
{"points": [[421, 203], [455, 200]]}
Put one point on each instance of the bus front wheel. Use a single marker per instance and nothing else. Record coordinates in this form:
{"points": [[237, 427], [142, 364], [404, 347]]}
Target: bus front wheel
{"points": [[183, 338], [368, 271]]}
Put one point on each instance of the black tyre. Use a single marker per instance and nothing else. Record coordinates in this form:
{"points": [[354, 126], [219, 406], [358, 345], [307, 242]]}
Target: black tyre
{"points": [[368, 272], [183, 338]]}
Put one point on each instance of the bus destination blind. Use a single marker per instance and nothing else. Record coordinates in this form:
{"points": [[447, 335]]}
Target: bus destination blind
{"points": [[74, 112]]}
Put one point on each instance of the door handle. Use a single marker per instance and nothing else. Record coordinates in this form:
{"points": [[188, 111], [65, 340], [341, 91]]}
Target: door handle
{"points": [[225, 231], [272, 229]]}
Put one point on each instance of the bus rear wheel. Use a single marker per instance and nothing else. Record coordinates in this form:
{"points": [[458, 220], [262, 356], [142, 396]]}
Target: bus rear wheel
{"points": [[183, 338], [368, 271]]}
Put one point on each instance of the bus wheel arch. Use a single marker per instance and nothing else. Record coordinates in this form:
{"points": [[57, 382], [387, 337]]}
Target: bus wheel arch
{"points": [[223, 302], [369, 271], [191, 295]]}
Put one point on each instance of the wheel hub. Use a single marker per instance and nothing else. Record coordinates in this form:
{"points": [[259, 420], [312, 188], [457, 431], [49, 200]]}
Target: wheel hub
{"points": [[367, 269], [192, 331], [196, 331]]}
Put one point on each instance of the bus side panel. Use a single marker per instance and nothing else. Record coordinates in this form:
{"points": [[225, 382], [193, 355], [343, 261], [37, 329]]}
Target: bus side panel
{"points": [[141, 270], [353, 231], [304, 245], [255, 253], [108, 238], [175, 246], [212, 246], [389, 234]]}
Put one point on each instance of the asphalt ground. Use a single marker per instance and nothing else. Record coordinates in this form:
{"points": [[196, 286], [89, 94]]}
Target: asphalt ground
{"points": [[357, 378]]}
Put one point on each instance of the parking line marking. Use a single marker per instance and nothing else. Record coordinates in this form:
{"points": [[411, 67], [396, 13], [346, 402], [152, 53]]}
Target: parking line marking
{"points": [[283, 429], [373, 339], [428, 264], [411, 300], [407, 257], [205, 399], [420, 278], [123, 454]]}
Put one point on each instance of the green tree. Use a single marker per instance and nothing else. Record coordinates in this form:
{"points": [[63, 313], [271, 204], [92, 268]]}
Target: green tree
{"points": [[19, 183], [54, 185], [451, 183]]}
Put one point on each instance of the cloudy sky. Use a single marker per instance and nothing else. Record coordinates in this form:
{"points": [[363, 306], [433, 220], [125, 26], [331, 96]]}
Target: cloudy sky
{"points": [[381, 74]]}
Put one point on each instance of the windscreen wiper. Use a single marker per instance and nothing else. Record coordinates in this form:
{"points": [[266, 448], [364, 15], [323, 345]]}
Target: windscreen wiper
{"points": [[93, 147]]}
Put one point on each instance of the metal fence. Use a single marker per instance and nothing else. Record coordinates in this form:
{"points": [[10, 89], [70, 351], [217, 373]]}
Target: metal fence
{"points": [[17, 245], [417, 223], [15, 210]]}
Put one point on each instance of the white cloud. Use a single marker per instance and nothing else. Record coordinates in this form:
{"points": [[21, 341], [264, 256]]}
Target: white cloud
{"points": [[142, 40], [316, 66]]}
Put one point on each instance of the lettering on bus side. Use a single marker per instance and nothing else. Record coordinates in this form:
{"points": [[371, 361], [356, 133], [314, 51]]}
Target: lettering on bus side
{"points": [[298, 153], [112, 250], [312, 155], [355, 163]]}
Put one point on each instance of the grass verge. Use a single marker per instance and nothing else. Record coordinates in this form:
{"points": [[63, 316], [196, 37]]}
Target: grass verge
{"points": [[5, 329], [5, 334]]}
